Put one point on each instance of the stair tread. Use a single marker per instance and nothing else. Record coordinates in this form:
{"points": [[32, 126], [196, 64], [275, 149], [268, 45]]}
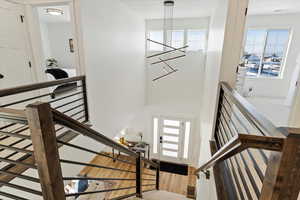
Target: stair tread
{"points": [[160, 195]]}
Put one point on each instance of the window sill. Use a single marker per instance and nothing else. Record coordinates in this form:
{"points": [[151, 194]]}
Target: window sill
{"points": [[265, 78]]}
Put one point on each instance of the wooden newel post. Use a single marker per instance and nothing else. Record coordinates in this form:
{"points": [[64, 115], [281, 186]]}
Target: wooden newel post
{"points": [[157, 175], [46, 155], [282, 177], [139, 176]]}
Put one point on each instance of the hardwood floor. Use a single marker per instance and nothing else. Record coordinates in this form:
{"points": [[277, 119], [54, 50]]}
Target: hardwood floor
{"points": [[173, 183], [106, 173], [169, 182]]}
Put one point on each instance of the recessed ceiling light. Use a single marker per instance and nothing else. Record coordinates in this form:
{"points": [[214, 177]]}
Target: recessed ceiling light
{"points": [[54, 11], [279, 10]]}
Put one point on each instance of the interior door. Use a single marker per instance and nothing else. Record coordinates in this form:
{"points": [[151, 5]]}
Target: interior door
{"points": [[173, 139], [15, 67]]}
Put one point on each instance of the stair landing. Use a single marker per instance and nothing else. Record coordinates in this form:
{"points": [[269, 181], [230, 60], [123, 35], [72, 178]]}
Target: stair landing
{"points": [[160, 195]]}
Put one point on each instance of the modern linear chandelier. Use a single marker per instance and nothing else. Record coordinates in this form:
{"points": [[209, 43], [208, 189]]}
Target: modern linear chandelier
{"points": [[167, 43]]}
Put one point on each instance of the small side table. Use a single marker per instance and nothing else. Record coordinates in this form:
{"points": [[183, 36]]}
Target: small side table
{"points": [[141, 147]]}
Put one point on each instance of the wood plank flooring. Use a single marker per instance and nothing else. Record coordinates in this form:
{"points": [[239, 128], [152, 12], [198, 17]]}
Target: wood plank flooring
{"points": [[169, 182]]}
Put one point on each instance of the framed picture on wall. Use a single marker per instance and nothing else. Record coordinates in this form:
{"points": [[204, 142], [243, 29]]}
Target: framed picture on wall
{"points": [[71, 44]]}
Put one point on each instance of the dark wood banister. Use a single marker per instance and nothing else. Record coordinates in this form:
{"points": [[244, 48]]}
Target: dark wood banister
{"points": [[40, 117], [282, 175], [65, 120], [242, 142], [238, 144], [36, 86]]}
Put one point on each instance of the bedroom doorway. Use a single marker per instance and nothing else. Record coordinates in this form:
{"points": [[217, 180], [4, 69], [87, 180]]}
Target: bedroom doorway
{"points": [[58, 41]]}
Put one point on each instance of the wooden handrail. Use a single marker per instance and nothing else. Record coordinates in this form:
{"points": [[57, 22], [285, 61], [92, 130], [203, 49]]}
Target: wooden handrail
{"points": [[292, 130], [67, 121], [13, 115], [14, 112], [238, 144], [36, 86], [251, 113]]}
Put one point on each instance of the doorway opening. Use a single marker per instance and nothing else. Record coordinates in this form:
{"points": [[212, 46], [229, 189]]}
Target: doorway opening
{"points": [[58, 41]]}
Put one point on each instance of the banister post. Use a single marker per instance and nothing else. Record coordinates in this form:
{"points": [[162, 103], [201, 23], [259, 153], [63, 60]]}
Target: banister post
{"points": [[157, 175], [282, 177], [218, 115], [139, 176], [46, 155], [85, 99]]}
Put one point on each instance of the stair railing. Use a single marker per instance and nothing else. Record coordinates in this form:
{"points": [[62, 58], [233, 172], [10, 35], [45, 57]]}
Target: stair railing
{"points": [[59, 116], [16, 148], [42, 120], [251, 158]]}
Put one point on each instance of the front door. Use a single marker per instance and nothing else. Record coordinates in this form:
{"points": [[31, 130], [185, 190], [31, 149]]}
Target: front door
{"points": [[173, 137]]}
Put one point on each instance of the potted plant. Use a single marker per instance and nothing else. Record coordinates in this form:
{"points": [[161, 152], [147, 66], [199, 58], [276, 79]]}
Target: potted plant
{"points": [[52, 63]]}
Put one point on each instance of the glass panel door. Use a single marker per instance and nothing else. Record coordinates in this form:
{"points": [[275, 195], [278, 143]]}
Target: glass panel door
{"points": [[171, 138]]}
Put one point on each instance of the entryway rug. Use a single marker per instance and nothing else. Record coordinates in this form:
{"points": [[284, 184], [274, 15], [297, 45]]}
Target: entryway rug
{"points": [[175, 168]]}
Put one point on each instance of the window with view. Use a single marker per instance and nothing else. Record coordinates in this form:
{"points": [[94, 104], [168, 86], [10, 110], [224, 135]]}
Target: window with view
{"points": [[265, 51]]}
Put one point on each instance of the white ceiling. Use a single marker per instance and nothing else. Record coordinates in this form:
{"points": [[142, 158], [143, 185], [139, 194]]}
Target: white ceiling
{"points": [[183, 8], [199, 8], [269, 6], [46, 18]]}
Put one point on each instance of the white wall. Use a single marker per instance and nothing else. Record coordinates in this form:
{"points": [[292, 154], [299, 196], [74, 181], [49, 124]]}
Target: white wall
{"points": [[279, 116], [223, 54], [45, 40], [293, 98], [178, 95], [59, 35], [114, 43], [276, 87], [179, 24], [183, 87]]}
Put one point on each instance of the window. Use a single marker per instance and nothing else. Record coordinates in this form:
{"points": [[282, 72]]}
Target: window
{"points": [[178, 38], [264, 52], [155, 135], [156, 36], [187, 132], [196, 40]]}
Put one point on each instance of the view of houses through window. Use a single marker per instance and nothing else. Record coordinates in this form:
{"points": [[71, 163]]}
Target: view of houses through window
{"points": [[196, 39], [265, 51]]}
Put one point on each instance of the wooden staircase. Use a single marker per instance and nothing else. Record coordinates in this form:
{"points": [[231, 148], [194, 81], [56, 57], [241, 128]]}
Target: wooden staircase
{"points": [[35, 132], [251, 158]]}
